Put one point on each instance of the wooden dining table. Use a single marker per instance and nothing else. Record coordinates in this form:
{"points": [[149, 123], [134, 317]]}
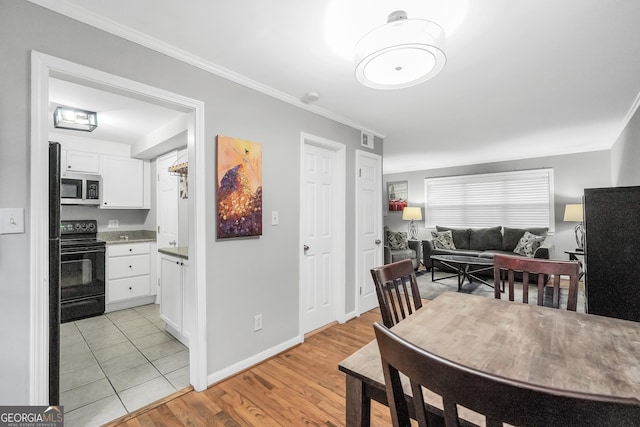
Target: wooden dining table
{"points": [[538, 345]]}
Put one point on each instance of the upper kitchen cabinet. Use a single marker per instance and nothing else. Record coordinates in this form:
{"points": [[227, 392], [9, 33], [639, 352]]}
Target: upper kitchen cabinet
{"points": [[80, 161], [125, 183]]}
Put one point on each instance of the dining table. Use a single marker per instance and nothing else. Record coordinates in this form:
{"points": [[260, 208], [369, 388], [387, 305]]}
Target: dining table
{"points": [[537, 345]]}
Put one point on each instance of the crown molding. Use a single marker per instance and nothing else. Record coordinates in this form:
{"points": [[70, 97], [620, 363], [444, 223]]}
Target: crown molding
{"points": [[85, 16]]}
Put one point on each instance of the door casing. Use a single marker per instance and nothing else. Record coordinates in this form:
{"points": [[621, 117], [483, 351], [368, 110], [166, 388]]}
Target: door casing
{"points": [[43, 67]]}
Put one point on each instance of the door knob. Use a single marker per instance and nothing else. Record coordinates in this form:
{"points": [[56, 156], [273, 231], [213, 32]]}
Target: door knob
{"points": [[378, 241], [306, 248], [172, 243]]}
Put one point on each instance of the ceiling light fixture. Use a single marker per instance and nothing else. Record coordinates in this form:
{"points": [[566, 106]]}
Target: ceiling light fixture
{"points": [[402, 53], [75, 119]]}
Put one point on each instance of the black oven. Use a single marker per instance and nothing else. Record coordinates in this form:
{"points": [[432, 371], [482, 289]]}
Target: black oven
{"points": [[82, 271]]}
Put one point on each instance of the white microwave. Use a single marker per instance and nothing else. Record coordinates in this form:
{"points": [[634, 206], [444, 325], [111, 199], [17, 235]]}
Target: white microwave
{"points": [[79, 189]]}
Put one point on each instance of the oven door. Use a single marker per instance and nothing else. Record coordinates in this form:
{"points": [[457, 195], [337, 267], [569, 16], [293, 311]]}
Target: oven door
{"points": [[82, 272]]}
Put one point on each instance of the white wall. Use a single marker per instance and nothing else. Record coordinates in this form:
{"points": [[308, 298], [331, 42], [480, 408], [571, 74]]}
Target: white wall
{"points": [[572, 174], [245, 276], [625, 155]]}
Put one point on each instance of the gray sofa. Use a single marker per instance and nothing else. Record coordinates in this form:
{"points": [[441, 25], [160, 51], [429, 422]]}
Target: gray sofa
{"points": [[393, 253], [484, 242]]}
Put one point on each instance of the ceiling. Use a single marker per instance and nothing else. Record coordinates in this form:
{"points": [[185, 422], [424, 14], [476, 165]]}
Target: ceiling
{"points": [[523, 79], [120, 119]]}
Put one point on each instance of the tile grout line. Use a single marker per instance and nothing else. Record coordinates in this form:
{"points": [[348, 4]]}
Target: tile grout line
{"points": [[91, 350]]}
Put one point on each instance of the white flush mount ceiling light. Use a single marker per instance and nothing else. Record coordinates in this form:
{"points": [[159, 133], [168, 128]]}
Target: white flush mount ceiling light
{"points": [[402, 53], [75, 119]]}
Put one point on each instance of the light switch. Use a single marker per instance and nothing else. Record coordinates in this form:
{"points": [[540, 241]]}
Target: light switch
{"points": [[11, 220], [274, 218]]}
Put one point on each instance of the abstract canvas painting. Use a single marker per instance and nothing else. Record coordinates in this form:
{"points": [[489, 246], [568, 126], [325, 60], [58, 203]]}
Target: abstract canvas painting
{"points": [[239, 201]]}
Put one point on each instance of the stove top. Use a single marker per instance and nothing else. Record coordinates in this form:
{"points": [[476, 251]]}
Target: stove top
{"points": [[79, 234]]}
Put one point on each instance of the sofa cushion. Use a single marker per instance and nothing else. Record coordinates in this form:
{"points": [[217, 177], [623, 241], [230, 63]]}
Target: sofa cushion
{"points": [[397, 240], [399, 255], [442, 239], [485, 238], [512, 236], [528, 244], [460, 236]]}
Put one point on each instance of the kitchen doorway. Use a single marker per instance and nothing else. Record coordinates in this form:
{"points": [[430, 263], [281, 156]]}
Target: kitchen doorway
{"points": [[45, 67]]}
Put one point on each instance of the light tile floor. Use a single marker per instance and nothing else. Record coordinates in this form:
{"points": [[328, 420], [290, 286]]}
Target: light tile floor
{"points": [[116, 363]]}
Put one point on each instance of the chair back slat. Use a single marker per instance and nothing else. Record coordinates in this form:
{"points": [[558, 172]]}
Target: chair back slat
{"points": [[397, 291], [542, 269], [499, 399]]}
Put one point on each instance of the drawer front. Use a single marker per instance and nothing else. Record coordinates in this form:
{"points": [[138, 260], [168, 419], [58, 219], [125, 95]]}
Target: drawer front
{"points": [[132, 287], [129, 249], [128, 266]]}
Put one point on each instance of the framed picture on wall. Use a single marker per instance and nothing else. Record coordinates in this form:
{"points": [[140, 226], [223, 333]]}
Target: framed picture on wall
{"points": [[397, 195], [239, 195]]}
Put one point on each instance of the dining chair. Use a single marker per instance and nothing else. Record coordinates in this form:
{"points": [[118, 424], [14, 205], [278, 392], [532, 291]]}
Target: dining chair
{"points": [[496, 398], [397, 291], [542, 270]]}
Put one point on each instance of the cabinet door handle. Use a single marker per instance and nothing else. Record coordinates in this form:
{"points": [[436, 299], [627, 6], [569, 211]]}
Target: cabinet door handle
{"points": [[130, 288], [130, 266]]}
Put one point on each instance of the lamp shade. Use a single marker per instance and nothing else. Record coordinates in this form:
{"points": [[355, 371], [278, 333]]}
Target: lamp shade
{"points": [[402, 53], [411, 213], [573, 212]]}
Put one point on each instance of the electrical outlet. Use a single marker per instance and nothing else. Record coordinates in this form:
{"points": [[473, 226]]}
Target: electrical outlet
{"points": [[113, 223], [257, 322]]}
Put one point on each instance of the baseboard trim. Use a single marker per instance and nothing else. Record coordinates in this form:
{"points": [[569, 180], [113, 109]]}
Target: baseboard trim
{"points": [[245, 364]]}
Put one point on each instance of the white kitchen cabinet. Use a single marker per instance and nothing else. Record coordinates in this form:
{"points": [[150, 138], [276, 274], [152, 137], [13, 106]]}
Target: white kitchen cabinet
{"points": [[80, 161], [173, 296], [130, 276], [125, 183]]}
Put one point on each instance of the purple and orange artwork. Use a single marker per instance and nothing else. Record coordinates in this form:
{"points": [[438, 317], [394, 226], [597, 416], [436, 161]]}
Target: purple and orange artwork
{"points": [[239, 201]]}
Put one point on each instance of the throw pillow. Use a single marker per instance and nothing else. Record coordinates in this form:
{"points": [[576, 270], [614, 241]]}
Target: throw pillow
{"points": [[460, 236], [442, 239], [397, 240], [528, 244]]}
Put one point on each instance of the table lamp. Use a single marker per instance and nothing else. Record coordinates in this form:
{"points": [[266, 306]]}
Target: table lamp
{"points": [[573, 213], [412, 214]]}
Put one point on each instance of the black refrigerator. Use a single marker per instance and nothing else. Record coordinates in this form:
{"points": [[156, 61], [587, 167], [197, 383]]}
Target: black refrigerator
{"points": [[612, 251], [54, 273]]}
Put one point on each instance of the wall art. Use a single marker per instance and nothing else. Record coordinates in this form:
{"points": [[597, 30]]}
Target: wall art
{"points": [[397, 195], [239, 196]]}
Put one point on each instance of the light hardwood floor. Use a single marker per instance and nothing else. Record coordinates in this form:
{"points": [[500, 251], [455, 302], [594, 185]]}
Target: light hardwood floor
{"points": [[301, 386]]}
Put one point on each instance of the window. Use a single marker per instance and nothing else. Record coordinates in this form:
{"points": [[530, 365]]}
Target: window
{"points": [[511, 199]]}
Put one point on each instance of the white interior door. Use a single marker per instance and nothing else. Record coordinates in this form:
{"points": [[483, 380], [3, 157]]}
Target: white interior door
{"points": [[368, 225], [167, 201], [320, 237]]}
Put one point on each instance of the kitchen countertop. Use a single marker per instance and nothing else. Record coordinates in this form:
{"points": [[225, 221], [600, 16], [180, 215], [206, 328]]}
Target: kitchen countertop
{"points": [[180, 251], [130, 236]]}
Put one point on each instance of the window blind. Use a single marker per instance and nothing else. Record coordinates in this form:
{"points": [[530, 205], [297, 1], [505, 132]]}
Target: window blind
{"points": [[519, 199]]}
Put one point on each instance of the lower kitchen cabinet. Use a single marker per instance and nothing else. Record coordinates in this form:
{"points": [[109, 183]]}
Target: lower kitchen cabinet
{"points": [[130, 275], [173, 295]]}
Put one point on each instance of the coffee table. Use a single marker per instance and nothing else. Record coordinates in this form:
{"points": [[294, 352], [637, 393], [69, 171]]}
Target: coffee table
{"points": [[466, 268]]}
